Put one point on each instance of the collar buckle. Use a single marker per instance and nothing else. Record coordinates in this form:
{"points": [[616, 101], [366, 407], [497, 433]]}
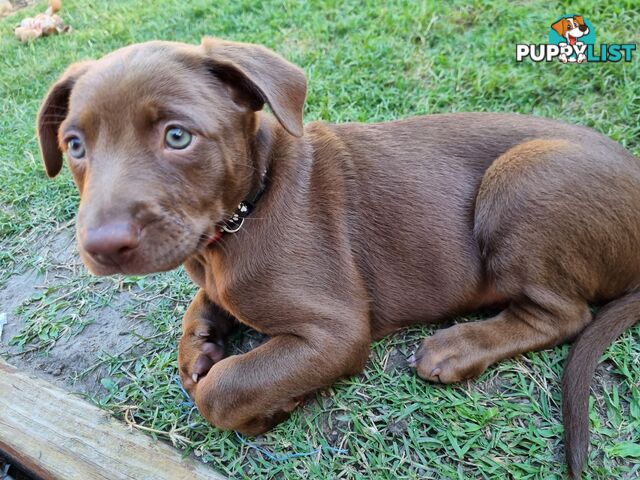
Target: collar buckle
{"points": [[234, 223]]}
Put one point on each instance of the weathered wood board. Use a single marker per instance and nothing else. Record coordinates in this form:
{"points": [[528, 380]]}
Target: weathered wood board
{"points": [[56, 435]]}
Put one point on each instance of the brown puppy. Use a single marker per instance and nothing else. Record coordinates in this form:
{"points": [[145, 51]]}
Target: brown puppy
{"points": [[356, 230]]}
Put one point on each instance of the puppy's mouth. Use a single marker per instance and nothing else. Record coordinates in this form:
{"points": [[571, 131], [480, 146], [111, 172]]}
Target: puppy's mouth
{"points": [[575, 34]]}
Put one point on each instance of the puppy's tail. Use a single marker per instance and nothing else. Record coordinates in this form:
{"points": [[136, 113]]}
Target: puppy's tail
{"points": [[610, 322]]}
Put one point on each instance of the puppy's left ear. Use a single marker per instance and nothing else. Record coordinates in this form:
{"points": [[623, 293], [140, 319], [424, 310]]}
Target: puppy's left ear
{"points": [[260, 76], [579, 20], [52, 113]]}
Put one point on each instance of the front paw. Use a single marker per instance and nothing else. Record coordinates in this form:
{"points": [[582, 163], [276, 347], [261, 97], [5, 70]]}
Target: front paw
{"points": [[229, 398], [199, 350]]}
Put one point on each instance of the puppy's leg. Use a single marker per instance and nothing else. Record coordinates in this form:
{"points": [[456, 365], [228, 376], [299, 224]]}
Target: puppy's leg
{"points": [[251, 393], [550, 244], [205, 329], [466, 350]]}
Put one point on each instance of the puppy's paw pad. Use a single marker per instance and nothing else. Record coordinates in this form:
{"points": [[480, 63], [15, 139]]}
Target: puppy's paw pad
{"points": [[198, 354], [211, 354]]}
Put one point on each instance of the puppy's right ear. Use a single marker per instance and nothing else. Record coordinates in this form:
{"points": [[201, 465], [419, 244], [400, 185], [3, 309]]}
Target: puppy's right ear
{"points": [[52, 113], [560, 27]]}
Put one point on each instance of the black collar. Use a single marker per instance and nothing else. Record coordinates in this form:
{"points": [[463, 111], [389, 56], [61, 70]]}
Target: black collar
{"points": [[235, 221]]}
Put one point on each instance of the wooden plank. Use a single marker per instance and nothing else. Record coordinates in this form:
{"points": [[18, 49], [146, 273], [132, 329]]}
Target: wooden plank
{"points": [[56, 435]]}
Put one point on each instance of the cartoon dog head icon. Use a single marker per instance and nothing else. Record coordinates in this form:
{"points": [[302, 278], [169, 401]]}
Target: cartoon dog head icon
{"points": [[571, 28]]}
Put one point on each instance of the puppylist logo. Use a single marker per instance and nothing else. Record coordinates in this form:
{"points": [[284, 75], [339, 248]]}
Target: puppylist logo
{"points": [[572, 39]]}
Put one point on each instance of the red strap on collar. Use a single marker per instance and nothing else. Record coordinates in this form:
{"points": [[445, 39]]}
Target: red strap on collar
{"points": [[215, 237]]}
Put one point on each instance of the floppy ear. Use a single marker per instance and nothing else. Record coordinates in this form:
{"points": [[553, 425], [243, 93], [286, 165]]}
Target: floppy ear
{"points": [[579, 20], [52, 113], [560, 27], [260, 76]]}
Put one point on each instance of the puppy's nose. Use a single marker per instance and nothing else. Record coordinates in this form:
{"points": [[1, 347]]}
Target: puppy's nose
{"points": [[111, 240], [583, 28]]}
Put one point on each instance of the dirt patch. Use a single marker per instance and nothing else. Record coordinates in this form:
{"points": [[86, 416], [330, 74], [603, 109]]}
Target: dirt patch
{"points": [[396, 360], [397, 429], [335, 424], [72, 361], [493, 385], [112, 322], [16, 291]]}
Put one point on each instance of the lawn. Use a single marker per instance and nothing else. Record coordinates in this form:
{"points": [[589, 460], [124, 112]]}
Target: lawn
{"points": [[366, 61]]}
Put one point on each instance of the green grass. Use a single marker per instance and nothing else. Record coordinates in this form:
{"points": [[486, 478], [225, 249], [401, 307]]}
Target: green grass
{"points": [[365, 62]]}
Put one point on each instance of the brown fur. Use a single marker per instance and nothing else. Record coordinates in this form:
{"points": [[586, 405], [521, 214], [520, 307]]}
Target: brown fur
{"points": [[362, 229]]}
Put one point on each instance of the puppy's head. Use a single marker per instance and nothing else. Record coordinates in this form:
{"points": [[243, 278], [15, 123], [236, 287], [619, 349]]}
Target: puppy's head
{"points": [[572, 26], [158, 138]]}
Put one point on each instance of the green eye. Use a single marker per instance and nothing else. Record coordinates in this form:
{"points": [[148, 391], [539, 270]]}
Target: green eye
{"points": [[177, 138], [75, 147]]}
